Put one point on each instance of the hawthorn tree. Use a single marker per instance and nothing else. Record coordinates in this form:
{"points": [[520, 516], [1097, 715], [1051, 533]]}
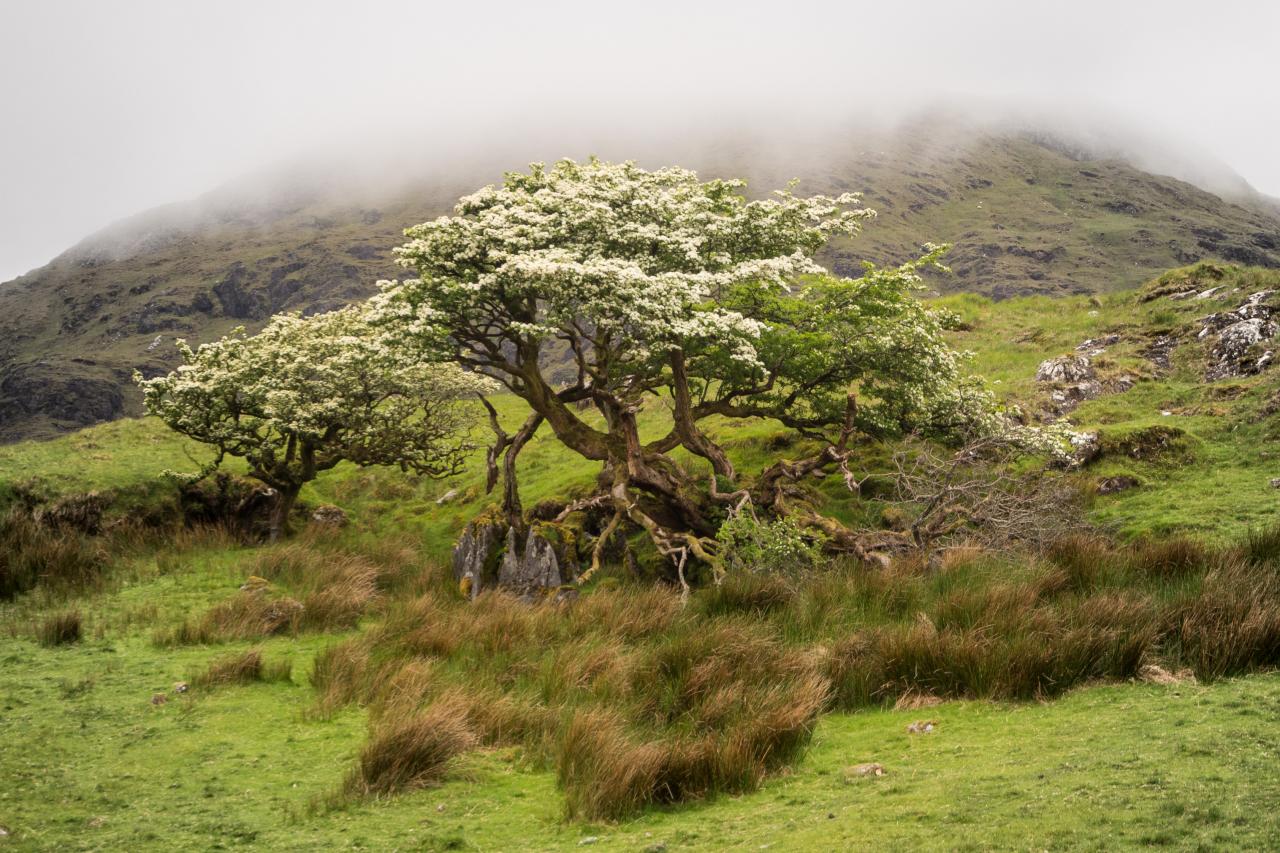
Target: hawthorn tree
{"points": [[307, 393], [659, 290]]}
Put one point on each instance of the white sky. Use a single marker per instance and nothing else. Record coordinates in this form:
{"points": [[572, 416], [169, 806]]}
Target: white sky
{"points": [[109, 108]]}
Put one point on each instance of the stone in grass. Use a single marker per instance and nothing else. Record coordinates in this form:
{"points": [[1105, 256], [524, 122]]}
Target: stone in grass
{"points": [[1067, 368], [922, 727], [1118, 483], [914, 701], [328, 515], [253, 583], [870, 770], [158, 698], [1275, 482], [1153, 673]]}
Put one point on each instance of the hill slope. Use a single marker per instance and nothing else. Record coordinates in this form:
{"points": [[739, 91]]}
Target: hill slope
{"points": [[1026, 214]]}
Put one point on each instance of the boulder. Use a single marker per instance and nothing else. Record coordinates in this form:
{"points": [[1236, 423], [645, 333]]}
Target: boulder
{"points": [[1068, 397], [1085, 448], [871, 770], [531, 568], [1096, 346], [1234, 354], [472, 554], [528, 566], [1119, 483], [1066, 368], [328, 515]]}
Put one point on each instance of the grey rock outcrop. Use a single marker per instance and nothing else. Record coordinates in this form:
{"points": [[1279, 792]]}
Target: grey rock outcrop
{"points": [[1074, 381], [1066, 368], [471, 556], [531, 568], [328, 515], [1234, 353], [528, 564], [1239, 346]]}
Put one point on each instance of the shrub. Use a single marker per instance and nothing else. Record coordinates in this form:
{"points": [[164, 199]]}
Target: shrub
{"points": [[778, 546], [59, 629]]}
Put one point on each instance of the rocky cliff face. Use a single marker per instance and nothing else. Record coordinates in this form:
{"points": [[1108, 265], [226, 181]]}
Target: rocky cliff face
{"points": [[1023, 215]]}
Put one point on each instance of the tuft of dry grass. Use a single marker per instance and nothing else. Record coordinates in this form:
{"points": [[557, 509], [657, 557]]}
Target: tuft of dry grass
{"points": [[244, 668], [412, 750], [60, 559], [60, 629], [247, 615], [1233, 625]]}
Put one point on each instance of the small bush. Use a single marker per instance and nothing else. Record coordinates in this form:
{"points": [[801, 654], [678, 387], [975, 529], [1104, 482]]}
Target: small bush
{"points": [[771, 547], [59, 629]]}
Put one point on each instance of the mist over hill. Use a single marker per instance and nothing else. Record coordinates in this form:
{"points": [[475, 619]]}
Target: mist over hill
{"points": [[1028, 209]]}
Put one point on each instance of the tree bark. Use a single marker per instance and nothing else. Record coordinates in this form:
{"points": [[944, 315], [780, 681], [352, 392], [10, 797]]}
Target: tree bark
{"points": [[278, 525]]}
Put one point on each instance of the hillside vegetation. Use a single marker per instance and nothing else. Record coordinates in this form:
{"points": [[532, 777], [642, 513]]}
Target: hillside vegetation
{"points": [[1024, 214], [356, 698]]}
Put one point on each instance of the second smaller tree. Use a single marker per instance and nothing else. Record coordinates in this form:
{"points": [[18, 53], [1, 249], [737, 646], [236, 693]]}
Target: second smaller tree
{"points": [[307, 393]]}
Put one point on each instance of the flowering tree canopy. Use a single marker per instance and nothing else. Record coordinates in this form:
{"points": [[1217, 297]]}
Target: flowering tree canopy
{"points": [[654, 285], [307, 393]]}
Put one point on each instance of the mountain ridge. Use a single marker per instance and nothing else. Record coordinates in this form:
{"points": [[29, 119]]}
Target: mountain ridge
{"points": [[1023, 214]]}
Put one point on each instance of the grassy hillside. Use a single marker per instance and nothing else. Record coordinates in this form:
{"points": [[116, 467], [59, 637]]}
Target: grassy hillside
{"points": [[1218, 483], [91, 762], [1025, 216]]}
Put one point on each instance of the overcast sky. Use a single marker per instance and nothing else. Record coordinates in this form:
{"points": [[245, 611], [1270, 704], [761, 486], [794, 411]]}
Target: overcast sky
{"points": [[108, 108]]}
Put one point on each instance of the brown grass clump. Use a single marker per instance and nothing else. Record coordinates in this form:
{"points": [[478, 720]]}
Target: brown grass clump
{"points": [[412, 751], [60, 629], [248, 615], [1169, 558], [339, 604], [637, 700], [58, 558], [1233, 625], [605, 774], [630, 613], [337, 590], [339, 675], [244, 668]]}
